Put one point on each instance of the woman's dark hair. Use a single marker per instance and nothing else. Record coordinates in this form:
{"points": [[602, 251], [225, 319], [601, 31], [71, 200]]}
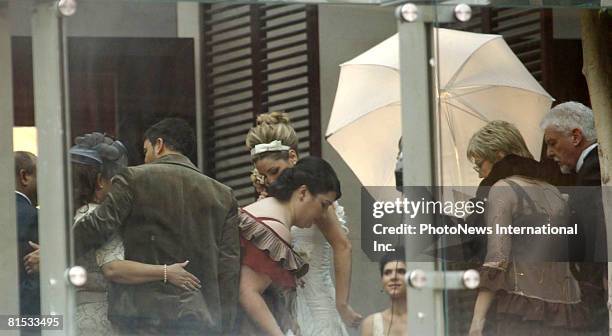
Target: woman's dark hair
{"points": [[176, 133], [84, 178], [313, 172], [94, 154], [398, 255]]}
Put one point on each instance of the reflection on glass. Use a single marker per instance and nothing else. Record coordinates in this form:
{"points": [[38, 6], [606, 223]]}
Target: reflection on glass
{"points": [[24, 139]]}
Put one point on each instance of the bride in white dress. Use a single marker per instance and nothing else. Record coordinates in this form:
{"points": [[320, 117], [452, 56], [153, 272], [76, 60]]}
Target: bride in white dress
{"points": [[321, 306]]}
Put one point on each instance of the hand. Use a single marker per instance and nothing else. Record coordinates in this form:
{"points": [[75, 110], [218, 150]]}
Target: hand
{"points": [[32, 260], [349, 316], [178, 276]]}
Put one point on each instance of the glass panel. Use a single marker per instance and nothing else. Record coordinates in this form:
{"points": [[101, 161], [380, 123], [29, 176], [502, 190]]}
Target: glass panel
{"points": [[508, 70], [19, 283], [506, 3], [132, 64], [123, 66]]}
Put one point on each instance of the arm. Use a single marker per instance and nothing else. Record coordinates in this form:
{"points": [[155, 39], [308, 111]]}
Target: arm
{"points": [[341, 246], [252, 284], [500, 206], [228, 262], [133, 273], [483, 303], [111, 259], [501, 202], [96, 227], [366, 326]]}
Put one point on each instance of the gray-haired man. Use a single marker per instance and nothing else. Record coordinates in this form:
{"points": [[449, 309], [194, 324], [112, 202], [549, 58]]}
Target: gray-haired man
{"points": [[571, 140]]}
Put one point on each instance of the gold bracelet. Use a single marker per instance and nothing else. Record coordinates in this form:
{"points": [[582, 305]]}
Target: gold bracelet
{"points": [[165, 273]]}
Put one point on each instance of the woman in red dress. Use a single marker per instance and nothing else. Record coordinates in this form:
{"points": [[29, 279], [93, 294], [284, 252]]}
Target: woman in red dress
{"points": [[270, 267]]}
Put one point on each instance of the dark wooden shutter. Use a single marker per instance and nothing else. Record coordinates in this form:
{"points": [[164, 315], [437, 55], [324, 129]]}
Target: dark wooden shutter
{"points": [[256, 59], [528, 32]]}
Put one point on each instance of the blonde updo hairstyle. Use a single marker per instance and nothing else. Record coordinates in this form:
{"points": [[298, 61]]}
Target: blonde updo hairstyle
{"points": [[269, 127], [497, 137]]}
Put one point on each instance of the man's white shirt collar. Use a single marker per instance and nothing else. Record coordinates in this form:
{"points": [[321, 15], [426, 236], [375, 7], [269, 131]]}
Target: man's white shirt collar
{"points": [[583, 156], [26, 197]]}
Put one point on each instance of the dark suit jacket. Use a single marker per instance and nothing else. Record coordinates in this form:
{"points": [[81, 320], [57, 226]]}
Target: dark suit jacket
{"points": [[27, 230], [168, 212], [587, 211], [590, 174]]}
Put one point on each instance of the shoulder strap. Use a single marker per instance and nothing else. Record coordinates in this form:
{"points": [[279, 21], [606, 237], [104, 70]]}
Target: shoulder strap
{"points": [[268, 219], [522, 194], [378, 326]]}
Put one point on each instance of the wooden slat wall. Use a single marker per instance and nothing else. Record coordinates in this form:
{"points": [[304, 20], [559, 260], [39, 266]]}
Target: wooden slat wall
{"points": [[257, 58]]}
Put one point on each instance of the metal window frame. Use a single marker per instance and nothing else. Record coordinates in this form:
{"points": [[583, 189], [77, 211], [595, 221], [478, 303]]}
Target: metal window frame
{"points": [[52, 123], [9, 282]]}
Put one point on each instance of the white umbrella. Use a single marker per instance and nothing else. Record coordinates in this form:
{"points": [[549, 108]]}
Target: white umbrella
{"points": [[480, 79]]}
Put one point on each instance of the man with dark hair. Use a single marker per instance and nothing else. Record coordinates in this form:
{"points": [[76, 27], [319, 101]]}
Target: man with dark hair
{"points": [[27, 230], [168, 212], [177, 134]]}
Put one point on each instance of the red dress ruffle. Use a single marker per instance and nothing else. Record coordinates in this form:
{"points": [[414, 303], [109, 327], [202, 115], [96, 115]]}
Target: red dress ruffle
{"points": [[260, 262]]}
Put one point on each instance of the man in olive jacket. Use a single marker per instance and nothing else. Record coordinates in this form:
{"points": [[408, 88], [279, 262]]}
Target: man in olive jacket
{"points": [[169, 212]]}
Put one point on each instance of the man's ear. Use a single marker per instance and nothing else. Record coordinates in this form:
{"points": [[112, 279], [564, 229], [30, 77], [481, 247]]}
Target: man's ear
{"points": [[577, 137], [159, 146], [23, 177]]}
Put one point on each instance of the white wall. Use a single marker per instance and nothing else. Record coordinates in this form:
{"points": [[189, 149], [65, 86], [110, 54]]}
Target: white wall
{"points": [[345, 32]]}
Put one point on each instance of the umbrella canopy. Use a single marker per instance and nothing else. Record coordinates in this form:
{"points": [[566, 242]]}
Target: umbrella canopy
{"points": [[479, 80]]}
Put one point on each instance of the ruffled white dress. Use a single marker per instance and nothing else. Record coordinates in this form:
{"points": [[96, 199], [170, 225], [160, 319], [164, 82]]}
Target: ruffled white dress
{"points": [[316, 301]]}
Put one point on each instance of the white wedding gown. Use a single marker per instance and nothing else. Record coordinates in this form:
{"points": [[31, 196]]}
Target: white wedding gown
{"points": [[316, 301]]}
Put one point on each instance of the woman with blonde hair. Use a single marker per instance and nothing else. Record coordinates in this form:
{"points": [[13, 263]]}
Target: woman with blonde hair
{"points": [[526, 284], [273, 143]]}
